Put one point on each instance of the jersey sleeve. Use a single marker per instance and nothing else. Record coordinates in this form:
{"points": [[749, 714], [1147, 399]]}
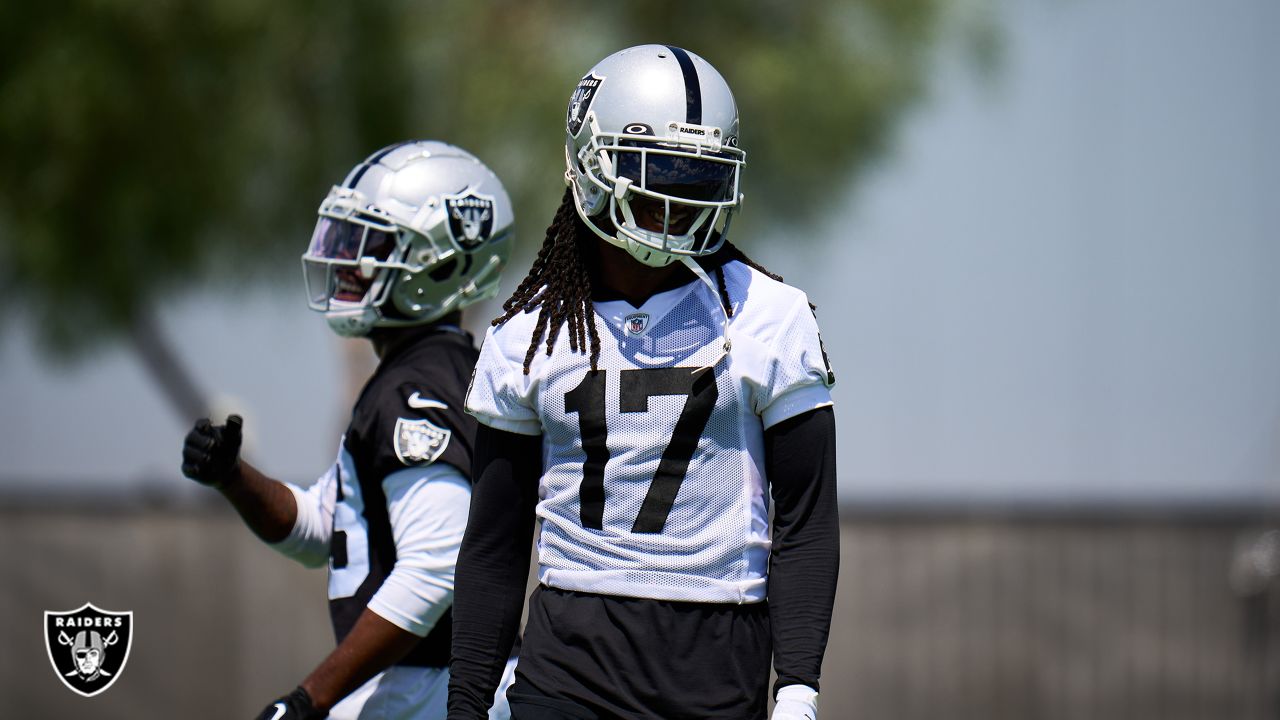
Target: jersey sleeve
{"points": [[798, 376], [501, 395], [427, 508], [308, 541], [414, 421]]}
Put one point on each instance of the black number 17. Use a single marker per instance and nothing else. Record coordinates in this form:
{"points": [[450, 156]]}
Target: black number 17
{"points": [[636, 387]]}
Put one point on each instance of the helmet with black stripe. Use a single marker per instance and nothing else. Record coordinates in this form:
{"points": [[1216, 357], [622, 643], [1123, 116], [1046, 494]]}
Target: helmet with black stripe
{"points": [[652, 153], [414, 232]]}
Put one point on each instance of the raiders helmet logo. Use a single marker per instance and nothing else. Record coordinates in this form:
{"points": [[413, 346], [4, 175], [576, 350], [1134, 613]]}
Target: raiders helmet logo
{"points": [[419, 441], [580, 102], [636, 323], [470, 218], [88, 647]]}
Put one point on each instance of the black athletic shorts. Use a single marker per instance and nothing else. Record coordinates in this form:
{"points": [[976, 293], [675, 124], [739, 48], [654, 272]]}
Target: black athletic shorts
{"points": [[599, 657]]}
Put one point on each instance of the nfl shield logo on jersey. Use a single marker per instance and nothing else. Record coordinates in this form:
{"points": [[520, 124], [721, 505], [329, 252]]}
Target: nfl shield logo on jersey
{"points": [[419, 441], [470, 218], [636, 323], [88, 647]]}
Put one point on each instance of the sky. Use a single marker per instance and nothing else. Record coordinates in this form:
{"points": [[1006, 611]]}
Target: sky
{"points": [[1058, 288], [1063, 285]]}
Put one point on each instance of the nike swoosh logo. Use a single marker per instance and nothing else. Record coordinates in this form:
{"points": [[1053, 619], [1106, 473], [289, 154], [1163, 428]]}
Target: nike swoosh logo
{"points": [[280, 711], [419, 403]]}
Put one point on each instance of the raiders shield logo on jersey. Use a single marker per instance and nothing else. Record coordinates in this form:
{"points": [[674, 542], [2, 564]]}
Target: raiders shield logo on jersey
{"points": [[88, 647], [420, 441], [470, 218], [580, 102]]}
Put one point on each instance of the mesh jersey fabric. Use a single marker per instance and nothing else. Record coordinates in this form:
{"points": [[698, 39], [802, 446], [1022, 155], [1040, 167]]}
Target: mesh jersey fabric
{"points": [[652, 481]]}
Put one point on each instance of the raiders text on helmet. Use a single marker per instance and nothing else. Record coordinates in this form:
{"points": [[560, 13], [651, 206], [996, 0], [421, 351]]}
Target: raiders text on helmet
{"points": [[414, 232], [652, 153]]}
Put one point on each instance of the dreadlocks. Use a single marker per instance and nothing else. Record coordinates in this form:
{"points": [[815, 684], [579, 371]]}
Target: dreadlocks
{"points": [[559, 281]]}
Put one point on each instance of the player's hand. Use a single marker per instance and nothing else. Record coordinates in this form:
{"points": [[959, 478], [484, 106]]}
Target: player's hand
{"points": [[212, 452], [294, 706], [796, 702]]}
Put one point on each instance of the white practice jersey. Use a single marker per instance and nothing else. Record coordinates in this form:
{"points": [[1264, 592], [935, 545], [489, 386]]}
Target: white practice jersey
{"points": [[653, 467]]}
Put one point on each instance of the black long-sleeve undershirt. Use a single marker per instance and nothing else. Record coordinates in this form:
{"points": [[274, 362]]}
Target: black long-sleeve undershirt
{"points": [[800, 463], [493, 566], [493, 562]]}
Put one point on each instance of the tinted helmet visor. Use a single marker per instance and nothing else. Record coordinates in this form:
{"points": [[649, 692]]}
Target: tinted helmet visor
{"points": [[345, 240], [702, 178]]}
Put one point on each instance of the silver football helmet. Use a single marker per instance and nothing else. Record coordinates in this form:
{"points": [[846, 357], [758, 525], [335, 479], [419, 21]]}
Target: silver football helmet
{"points": [[414, 232], [652, 153]]}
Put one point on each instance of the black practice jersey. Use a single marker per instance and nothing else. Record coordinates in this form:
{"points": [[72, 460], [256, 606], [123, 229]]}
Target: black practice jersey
{"points": [[410, 413]]}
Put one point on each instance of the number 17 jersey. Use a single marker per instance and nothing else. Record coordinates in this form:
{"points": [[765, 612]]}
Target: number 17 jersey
{"points": [[653, 465]]}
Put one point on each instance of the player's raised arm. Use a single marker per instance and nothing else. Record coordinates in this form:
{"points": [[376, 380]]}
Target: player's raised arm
{"points": [[211, 456]]}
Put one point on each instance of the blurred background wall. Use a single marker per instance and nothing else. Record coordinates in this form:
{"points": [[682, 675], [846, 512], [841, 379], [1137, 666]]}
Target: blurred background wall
{"points": [[1041, 235]]}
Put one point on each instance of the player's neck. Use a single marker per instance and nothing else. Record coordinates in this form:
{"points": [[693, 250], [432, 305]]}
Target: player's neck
{"points": [[618, 276], [386, 341]]}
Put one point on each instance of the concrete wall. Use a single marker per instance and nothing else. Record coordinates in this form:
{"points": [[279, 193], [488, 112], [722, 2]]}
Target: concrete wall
{"points": [[937, 616]]}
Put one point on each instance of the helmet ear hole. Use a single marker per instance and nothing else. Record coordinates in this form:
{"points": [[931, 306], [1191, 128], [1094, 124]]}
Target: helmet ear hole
{"points": [[444, 272]]}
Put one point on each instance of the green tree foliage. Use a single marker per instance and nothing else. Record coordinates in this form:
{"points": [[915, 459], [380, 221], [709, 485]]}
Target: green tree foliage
{"points": [[147, 145]]}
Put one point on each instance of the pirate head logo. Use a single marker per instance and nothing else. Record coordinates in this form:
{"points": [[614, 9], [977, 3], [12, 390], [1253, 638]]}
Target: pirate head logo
{"points": [[419, 441], [470, 218], [88, 647], [636, 323], [580, 102]]}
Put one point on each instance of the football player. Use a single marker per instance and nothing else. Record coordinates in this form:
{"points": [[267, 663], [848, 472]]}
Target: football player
{"points": [[690, 394], [415, 233]]}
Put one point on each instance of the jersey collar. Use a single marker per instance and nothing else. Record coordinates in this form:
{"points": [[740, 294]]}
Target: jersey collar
{"points": [[615, 312]]}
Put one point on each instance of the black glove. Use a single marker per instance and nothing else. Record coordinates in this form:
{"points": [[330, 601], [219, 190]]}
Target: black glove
{"points": [[212, 452], [294, 706]]}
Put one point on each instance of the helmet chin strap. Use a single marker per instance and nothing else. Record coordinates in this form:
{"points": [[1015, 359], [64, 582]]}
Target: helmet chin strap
{"points": [[656, 258], [701, 274], [644, 254], [352, 322]]}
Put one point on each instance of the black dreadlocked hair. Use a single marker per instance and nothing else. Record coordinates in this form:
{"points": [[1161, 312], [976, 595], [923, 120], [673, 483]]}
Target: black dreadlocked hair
{"points": [[559, 281]]}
